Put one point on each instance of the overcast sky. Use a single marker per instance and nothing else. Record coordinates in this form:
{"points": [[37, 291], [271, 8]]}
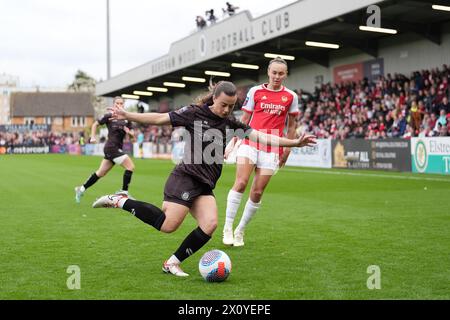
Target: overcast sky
{"points": [[44, 42]]}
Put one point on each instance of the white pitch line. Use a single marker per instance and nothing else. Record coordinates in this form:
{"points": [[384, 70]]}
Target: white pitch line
{"points": [[366, 175]]}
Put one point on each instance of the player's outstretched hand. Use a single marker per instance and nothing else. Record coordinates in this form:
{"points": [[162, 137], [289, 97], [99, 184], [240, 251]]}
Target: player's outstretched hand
{"points": [[117, 113], [306, 140], [231, 146]]}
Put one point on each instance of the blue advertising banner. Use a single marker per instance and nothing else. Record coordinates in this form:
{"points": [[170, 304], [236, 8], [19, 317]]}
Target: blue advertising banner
{"points": [[431, 155], [20, 128], [373, 69]]}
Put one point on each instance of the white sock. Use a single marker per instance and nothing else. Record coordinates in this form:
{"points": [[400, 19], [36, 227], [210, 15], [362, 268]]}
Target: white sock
{"points": [[249, 211], [233, 203], [174, 260], [82, 189], [122, 202]]}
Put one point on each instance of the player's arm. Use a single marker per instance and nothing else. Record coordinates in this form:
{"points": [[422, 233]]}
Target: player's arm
{"points": [[245, 118], [292, 123], [128, 128], [130, 132], [230, 147], [94, 126], [158, 119], [306, 140]]}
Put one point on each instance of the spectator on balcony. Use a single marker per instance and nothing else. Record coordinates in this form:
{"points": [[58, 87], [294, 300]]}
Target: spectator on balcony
{"points": [[230, 9], [211, 17], [201, 23]]}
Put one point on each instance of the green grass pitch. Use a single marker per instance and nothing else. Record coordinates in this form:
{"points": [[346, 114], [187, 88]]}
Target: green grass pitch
{"points": [[314, 237]]}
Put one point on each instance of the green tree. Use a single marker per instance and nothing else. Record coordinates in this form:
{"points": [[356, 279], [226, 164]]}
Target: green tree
{"points": [[83, 82]]}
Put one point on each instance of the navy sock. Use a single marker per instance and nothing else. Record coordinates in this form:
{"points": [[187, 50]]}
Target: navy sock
{"points": [[146, 212], [92, 179], [193, 242], [126, 179]]}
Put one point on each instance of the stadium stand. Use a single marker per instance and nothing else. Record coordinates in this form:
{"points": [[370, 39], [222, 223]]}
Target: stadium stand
{"points": [[394, 106], [405, 94]]}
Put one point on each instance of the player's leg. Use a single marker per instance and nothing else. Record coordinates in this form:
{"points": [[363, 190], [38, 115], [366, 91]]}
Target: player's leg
{"points": [[267, 165], [146, 212], [204, 210], [104, 168], [125, 162], [245, 165], [128, 165], [179, 193], [166, 220]]}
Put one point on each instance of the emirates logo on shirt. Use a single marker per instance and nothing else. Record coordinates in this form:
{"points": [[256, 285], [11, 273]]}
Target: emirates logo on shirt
{"points": [[272, 108]]}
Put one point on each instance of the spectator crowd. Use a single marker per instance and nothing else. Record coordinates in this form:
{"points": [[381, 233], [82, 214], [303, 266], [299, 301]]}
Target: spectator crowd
{"points": [[155, 134], [394, 106], [40, 138]]}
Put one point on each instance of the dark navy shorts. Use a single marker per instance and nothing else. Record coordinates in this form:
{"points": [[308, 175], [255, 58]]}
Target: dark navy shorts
{"points": [[184, 189], [114, 155]]}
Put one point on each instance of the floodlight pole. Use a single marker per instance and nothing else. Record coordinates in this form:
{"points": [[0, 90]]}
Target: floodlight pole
{"points": [[108, 50]]}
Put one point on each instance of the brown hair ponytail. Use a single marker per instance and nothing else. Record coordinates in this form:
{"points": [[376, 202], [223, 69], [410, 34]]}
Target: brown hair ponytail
{"points": [[215, 89]]}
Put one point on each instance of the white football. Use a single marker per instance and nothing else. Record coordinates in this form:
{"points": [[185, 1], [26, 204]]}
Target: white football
{"points": [[215, 266]]}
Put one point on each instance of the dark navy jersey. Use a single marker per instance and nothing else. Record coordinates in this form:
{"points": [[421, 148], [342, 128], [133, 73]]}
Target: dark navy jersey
{"points": [[116, 133], [206, 141]]}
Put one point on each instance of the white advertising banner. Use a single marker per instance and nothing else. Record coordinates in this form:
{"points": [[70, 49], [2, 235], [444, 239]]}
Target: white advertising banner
{"points": [[94, 149], [145, 152], [318, 156], [98, 149]]}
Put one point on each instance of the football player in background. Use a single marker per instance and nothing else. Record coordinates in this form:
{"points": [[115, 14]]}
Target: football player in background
{"points": [[117, 129]]}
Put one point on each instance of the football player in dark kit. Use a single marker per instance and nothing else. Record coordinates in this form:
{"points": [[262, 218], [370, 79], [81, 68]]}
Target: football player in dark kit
{"points": [[189, 187], [117, 129]]}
